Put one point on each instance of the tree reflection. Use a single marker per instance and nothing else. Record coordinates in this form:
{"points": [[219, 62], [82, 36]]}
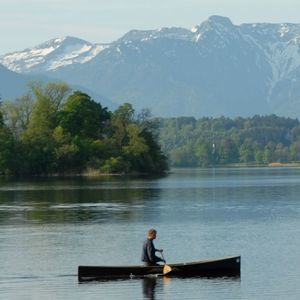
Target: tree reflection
{"points": [[75, 200]]}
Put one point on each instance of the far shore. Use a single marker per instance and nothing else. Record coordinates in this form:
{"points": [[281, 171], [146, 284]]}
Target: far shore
{"points": [[97, 173], [249, 165]]}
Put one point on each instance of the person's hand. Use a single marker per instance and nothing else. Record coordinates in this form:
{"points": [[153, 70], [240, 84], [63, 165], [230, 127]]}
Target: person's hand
{"points": [[160, 250]]}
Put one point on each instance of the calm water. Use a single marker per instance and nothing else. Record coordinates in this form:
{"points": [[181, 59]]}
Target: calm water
{"points": [[50, 226]]}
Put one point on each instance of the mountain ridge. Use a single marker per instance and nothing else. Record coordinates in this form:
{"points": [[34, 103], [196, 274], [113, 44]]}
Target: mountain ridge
{"points": [[215, 68]]}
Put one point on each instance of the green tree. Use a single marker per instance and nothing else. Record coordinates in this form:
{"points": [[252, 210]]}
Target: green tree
{"points": [[183, 156], [1, 117], [295, 151], [229, 151], [80, 134], [17, 113], [205, 153], [66, 152], [6, 148], [57, 133], [281, 153], [121, 118], [153, 160], [38, 140], [136, 143], [136, 140], [258, 155], [115, 165], [54, 92], [82, 116], [246, 151], [269, 150]]}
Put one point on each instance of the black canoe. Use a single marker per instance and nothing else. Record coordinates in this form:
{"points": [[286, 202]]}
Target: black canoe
{"points": [[228, 266]]}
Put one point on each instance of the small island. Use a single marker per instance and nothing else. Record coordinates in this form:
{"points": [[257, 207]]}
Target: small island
{"points": [[51, 131]]}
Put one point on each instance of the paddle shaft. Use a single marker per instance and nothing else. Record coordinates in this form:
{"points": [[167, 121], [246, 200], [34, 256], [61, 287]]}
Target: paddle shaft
{"points": [[167, 269]]}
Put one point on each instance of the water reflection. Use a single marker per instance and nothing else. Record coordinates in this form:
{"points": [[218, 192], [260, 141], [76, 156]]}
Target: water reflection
{"points": [[75, 200], [149, 284], [225, 194], [251, 212]]}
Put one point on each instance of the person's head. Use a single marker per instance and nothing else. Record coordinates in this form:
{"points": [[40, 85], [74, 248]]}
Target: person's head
{"points": [[151, 235]]}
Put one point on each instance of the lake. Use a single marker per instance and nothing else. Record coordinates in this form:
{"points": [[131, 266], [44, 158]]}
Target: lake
{"points": [[49, 226]]}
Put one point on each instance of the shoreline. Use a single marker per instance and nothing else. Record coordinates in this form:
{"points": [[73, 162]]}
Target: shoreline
{"points": [[95, 173]]}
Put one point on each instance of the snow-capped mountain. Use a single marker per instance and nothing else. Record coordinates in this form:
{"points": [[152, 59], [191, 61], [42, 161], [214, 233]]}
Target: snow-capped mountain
{"points": [[51, 55], [216, 68]]}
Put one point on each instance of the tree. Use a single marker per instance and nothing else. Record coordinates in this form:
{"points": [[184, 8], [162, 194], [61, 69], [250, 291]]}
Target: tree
{"points": [[55, 134], [80, 134], [48, 100], [281, 153], [6, 148], [229, 151], [54, 92], [204, 151], [152, 161], [1, 117], [137, 141], [121, 118], [269, 150], [246, 151], [82, 116], [258, 153], [183, 156], [38, 140], [295, 151], [17, 113]]}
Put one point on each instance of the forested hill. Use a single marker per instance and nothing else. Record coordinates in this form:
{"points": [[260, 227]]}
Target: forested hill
{"points": [[217, 141]]}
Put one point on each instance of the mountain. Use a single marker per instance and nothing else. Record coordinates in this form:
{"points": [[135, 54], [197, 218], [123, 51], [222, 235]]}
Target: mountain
{"points": [[12, 84], [51, 55], [216, 68]]}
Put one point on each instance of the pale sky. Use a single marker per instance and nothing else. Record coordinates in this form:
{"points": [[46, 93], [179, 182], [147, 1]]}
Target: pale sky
{"points": [[27, 23]]}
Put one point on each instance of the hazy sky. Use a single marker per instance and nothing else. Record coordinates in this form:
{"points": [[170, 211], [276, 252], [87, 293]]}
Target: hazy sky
{"points": [[27, 23]]}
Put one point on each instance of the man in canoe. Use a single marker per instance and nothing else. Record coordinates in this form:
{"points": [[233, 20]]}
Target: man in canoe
{"points": [[148, 254]]}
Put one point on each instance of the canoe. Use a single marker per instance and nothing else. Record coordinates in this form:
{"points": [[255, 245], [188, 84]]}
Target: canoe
{"points": [[228, 266]]}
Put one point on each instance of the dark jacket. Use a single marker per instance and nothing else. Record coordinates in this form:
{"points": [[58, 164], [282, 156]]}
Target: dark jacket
{"points": [[148, 254]]}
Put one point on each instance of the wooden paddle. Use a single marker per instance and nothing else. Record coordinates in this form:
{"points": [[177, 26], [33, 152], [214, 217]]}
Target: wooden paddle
{"points": [[167, 269]]}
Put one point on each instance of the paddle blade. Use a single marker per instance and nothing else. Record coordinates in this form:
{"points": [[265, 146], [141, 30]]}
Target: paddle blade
{"points": [[167, 269]]}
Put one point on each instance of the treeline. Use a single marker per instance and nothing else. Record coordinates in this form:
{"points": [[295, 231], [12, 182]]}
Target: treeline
{"points": [[51, 131], [219, 141]]}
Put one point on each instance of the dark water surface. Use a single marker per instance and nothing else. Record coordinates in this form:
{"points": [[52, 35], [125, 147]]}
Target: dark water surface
{"points": [[50, 226]]}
